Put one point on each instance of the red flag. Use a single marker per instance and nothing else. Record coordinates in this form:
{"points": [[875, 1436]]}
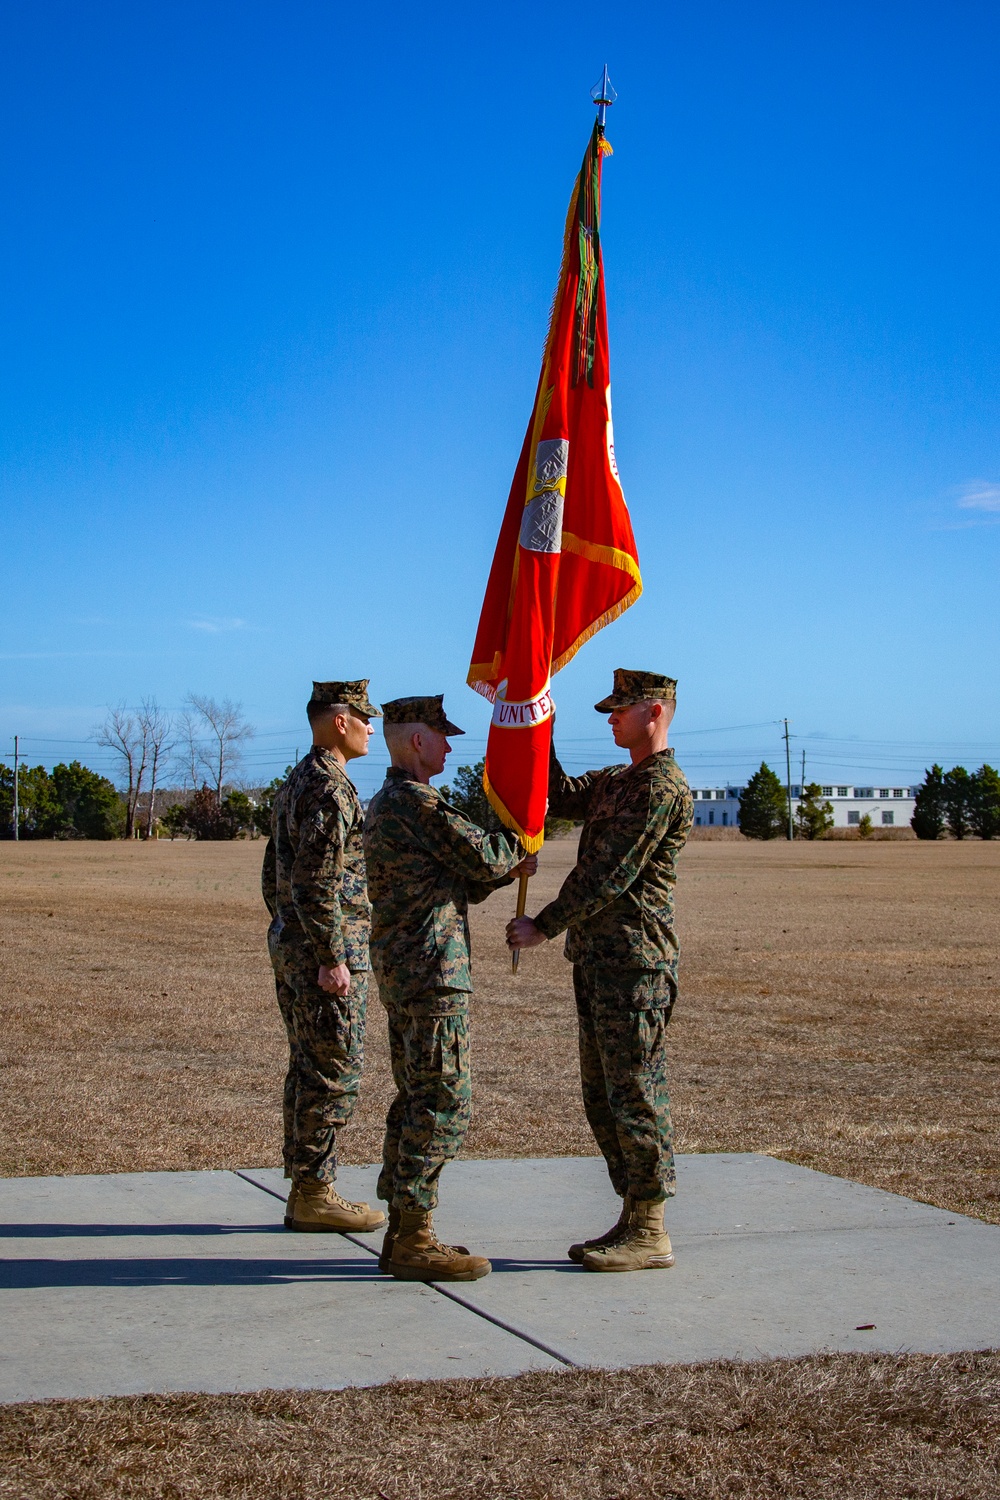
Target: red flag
{"points": [[566, 563]]}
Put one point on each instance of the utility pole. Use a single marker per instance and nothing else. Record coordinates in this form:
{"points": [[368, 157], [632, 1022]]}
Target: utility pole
{"points": [[788, 779], [803, 770], [17, 807]]}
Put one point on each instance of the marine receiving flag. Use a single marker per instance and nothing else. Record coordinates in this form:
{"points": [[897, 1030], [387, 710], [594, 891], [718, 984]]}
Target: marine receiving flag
{"points": [[566, 563]]}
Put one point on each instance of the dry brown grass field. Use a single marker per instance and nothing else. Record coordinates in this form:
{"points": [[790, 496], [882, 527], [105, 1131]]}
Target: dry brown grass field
{"points": [[838, 1008], [847, 1427]]}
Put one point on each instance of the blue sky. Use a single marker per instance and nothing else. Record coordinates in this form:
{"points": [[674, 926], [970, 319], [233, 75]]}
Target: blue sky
{"points": [[276, 281]]}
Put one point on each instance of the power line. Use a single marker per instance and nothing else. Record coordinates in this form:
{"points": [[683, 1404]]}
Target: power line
{"points": [[728, 728], [469, 740]]}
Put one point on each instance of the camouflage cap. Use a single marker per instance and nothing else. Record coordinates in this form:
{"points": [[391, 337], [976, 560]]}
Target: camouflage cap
{"points": [[354, 694], [632, 686], [429, 711]]}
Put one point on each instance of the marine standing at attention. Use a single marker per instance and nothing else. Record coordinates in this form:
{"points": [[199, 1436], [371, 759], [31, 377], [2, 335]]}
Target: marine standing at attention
{"points": [[313, 883], [617, 907], [426, 862]]}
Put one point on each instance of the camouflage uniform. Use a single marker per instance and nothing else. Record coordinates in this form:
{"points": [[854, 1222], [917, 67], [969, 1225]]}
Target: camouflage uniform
{"points": [[426, 863], [429, 1117], [313, 883], [617, 905]]}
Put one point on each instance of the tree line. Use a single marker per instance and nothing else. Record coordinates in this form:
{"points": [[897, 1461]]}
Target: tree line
{"points": [[965, 804], [70, 802], [202, 747]]}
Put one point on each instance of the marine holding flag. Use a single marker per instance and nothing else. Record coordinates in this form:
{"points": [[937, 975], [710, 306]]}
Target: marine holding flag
{"points": [[617, 910], [566, 565]]}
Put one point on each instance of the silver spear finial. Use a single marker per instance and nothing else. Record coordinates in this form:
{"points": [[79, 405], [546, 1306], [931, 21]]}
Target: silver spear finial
{"points": [[603, 94]]}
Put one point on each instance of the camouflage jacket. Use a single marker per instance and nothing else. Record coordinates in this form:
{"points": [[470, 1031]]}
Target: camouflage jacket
{"points": [[313, 879], [618, 901], [426, 862]]}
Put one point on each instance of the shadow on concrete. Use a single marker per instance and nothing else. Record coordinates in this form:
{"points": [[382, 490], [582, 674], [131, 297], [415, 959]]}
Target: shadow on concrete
{"points": [[502, 1265], [22, 1275], [123, 1231]]}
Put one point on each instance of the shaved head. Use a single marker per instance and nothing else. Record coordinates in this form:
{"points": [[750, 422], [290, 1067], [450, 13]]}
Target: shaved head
{"points": [[317, 712], [669, 706], [398, 736]]}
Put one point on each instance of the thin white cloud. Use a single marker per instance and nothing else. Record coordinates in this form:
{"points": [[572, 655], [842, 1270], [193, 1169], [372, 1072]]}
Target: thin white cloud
{"points": [[980, 494], [979, 499], [214, 625]]}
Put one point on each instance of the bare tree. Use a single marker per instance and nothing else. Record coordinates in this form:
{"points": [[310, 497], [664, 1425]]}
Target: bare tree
{"points": [[213, 736], [122, 734], [156, 729], [187, 749]]}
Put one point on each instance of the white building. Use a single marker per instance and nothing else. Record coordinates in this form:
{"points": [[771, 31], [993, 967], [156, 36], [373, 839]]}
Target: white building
{"points": [[887, 806]]}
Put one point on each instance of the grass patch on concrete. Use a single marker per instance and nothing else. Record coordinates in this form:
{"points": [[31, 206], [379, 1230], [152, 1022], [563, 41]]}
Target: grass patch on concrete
{"points": [[852, 1426]]}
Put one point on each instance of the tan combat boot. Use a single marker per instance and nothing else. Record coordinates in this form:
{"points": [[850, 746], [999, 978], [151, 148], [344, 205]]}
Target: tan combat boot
{"points": [[392, 1229], [644, 1246], [577, 1252], [318, 1208], [290, 1206], [391, 1232], [418, 1255]]}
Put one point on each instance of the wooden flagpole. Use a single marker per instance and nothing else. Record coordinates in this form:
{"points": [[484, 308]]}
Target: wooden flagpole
{"points": [[522, 901]]}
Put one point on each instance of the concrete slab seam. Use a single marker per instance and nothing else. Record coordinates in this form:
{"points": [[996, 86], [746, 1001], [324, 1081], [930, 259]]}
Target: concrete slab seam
{"points": [[281, 1197], [517, 1333]]}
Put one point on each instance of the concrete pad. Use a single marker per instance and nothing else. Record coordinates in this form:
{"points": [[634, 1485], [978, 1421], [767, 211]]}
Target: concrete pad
{"points": [[187, 1281], [772, 1259], [359, 1183]]}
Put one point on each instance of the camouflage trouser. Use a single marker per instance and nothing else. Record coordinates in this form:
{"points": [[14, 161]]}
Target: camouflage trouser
{"points": [[326, 1038], [429, 1117], [623, 1072]]}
